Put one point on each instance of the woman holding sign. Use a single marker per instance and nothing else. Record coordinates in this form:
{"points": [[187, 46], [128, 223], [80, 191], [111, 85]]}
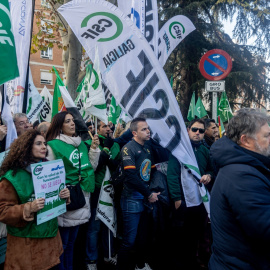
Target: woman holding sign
{"points": [[29, 246], [64, 144]]}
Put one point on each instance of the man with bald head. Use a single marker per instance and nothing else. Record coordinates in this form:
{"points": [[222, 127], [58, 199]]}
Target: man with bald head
{"points": [[43, 128]]}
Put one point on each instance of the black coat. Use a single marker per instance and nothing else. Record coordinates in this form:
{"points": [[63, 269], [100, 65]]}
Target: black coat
{"points": [[240, 208]]}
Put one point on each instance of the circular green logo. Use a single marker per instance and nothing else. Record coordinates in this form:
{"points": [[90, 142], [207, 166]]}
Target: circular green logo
{"points": [[102, 25], [175, 27]]}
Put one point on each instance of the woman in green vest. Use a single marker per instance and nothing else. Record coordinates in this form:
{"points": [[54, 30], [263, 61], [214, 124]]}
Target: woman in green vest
{"points": [[64, 144], [29, 246]]}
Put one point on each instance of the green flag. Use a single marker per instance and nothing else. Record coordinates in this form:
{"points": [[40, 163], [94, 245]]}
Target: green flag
{"points": [[191, 110], [114, 111], [200, 111], [8, 59], [58, 103], [86, 80], [224, 109]]}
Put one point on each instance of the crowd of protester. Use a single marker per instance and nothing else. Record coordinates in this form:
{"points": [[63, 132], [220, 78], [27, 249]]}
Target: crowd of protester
{"points": [[156, 229]]}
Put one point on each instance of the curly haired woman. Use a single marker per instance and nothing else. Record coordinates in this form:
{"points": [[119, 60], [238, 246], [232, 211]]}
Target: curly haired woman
{"points": [[29, 246]]}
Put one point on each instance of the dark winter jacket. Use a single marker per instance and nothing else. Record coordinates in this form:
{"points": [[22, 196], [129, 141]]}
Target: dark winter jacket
{"points": [[240, 208]]}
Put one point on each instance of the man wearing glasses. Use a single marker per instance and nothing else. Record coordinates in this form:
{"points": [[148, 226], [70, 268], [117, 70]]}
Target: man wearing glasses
{"points": [[21, 123], [189, 222]]}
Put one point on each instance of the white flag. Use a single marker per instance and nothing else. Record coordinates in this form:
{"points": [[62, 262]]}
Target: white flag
{"points": [[46, 110], [132, 72], [125, 6], [105, 208], [8, 121], [171, 34], [34, 102], [21, 17]]}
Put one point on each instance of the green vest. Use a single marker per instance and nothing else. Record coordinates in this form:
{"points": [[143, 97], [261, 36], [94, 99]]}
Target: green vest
{"points": [[70, 156], [23, 184], [115, 154]]}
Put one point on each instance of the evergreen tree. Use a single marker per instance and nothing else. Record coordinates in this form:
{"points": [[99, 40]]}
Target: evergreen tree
{"points": [[247, 79]]}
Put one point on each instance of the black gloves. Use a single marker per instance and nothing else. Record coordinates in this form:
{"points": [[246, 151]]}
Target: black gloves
{"points": [[108, 142]]}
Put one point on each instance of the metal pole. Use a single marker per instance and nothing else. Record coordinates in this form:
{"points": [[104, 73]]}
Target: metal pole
{"points": [[214, 106]]}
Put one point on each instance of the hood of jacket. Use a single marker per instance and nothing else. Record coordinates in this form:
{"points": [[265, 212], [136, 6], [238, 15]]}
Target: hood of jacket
{"points": [[225, 152]]}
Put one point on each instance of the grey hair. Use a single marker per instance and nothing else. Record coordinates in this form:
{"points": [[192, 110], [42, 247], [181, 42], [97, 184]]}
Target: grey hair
{"points": [[18, 115], [246, 121]]}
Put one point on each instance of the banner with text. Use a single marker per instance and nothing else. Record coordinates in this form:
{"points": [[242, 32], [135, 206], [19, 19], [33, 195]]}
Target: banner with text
{"points": [[21, 17], [46, 110], [133, 74], [49, 179], [171, 34]]}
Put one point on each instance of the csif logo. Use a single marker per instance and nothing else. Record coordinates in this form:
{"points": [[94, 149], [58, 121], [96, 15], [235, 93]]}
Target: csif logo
{"points": [[101, 25], [38, 169], [74, 157], [176, 29]]}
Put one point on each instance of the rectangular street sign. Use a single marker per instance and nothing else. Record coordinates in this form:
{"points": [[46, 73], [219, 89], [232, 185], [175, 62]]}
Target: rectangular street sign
{"points": [[215, 86]]}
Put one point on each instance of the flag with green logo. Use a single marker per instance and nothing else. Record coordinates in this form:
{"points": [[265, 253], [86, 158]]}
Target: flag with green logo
{"points": [[8, 59], [46, 111], [200, 111], [114, 112], [224, 109], [58, 103], [191, 110], [95, 103]]}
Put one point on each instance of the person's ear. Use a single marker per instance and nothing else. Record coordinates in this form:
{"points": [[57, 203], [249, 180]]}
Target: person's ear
{"points": [[134, 133], [246, 142]]}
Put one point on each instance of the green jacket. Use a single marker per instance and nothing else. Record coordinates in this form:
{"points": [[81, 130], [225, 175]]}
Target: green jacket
{"points": [[23, 184], [105, 160], [174, 170], [70, 156]]}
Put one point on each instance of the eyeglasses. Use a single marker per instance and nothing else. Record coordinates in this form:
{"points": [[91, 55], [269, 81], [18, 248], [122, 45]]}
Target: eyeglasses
{"points": [[201, 130], [23, 123]]}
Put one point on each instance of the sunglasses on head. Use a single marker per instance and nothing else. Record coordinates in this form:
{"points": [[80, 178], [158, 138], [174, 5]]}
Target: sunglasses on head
{"points": [[201, 130]]}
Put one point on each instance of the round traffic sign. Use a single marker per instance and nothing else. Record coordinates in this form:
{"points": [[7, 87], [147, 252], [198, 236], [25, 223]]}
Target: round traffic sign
{"points": [[215, 65]]}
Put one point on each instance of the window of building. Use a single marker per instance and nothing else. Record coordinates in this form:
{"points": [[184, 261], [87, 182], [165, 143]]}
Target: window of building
{"points": [[45, 27], [45, 4], [46, 77], [47, 54]]}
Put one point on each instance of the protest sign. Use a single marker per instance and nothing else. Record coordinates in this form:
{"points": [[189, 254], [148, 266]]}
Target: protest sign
{"points": [[49, 179]]}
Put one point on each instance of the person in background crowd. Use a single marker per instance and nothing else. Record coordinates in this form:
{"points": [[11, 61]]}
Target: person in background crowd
{"points": [[91, 127], [136, 164], [109, 157], [211, 131], [21, 123], [35, 124], [64, 144], [240, 199], [29, 246], [190, 222], [43, 128], [3, 133]]}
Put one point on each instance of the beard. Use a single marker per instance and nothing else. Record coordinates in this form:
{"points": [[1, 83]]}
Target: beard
{"points": [[263, 151]]}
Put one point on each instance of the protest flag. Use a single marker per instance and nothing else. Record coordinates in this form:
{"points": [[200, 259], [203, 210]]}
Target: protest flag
{"points": [[141, 89], [71, 107], [115, 111], [95, 103], [21, 15], [191, 110], [224, 109], [200, 111], [8, 59], [34, 102], [46, 110], [58, 103]]}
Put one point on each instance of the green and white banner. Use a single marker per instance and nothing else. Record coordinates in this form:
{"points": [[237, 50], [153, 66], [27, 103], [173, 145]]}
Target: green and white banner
{"points": [[8, 59], [46, 110], [49, 179], [171, 34], [114, 112], [21, 19], [133, 74], [34, 102]]}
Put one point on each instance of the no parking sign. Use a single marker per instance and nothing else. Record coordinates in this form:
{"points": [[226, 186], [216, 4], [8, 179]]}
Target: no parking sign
{"points": [[215, 65]]}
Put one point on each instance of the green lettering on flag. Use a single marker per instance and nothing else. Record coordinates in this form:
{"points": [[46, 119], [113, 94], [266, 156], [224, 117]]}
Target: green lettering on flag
{"points": [[224, 109], [200, 111], [191, 110], [8, 59], [114, 111]]}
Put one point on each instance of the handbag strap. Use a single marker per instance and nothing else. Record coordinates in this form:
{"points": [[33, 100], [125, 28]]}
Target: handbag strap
{"points": [[80, 176]]}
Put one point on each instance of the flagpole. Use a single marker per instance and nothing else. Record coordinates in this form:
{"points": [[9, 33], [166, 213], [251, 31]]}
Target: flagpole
{"points": [[95, 124], [25, 96]]}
